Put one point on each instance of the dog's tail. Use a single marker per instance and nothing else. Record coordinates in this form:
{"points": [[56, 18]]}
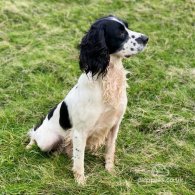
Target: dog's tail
{"points": [[30, 134]]}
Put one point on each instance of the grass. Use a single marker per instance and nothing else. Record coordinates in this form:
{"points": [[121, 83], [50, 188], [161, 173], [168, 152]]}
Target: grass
{"points": [[39, 65]]}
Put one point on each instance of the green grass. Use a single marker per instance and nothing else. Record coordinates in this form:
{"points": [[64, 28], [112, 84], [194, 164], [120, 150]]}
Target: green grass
{"points": [[39, 65]]}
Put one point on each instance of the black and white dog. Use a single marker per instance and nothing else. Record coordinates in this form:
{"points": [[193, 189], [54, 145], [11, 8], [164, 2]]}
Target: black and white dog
{"points": [[91, 113]]}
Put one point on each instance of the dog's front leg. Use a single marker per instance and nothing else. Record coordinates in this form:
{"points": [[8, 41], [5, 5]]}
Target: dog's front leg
{"points": [[110, 148], [79, 143]]}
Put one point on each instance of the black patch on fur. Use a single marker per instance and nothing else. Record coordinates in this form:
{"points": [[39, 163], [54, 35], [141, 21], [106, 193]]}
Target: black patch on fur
{"points": [[64, 117], [133, 36], [132, 49], [104, 37], [51, 112]]}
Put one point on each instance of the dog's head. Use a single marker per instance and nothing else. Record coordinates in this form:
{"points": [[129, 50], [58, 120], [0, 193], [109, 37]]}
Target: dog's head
{"points": [[108, 35]]}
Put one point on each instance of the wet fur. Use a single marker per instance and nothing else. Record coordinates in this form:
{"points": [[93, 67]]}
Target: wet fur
{"points": [[91, 113]]}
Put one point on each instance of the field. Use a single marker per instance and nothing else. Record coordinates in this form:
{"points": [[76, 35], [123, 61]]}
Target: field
{"points": [[39, 65]]}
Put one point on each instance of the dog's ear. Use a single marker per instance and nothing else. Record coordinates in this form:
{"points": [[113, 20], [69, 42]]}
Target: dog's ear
{"points": [[94, 54]]}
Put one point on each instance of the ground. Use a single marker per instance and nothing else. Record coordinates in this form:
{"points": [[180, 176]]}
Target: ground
{"points": [[39, 65]]}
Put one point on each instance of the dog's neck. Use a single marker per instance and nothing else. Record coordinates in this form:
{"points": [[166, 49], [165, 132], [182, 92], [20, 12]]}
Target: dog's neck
{"points": [[114, 83], [115, 61]]}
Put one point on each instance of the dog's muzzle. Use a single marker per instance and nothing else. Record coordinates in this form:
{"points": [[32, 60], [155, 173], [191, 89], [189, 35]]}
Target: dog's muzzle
{"points": [[142, 40]]}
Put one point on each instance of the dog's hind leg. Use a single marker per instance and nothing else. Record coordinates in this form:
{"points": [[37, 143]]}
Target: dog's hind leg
{"points": [[48, 141]]}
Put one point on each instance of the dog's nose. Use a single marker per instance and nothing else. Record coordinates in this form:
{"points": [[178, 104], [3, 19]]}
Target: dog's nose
{"points": [[142, 40]]}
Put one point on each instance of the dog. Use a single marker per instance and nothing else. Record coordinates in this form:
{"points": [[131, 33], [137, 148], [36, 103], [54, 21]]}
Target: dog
{"points": [[91, 113]]}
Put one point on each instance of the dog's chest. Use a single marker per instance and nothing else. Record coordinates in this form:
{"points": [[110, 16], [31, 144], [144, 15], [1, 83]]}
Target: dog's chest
{"points": [[114, 104], [114, 87], [105, 122]]}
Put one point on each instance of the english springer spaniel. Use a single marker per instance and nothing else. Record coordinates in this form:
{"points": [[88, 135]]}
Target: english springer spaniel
{"points": [[91, 113]]}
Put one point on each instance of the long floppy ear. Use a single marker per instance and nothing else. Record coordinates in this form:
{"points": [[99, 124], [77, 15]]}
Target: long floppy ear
{"points": [[94, 54]]}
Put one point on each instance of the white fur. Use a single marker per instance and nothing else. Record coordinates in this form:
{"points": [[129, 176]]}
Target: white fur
{"points": [[96, 107], [130, 43], [92, 118]]}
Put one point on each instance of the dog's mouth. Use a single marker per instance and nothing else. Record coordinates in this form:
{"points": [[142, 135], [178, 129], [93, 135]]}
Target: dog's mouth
{"points": [[141, 48], [128, 56]]}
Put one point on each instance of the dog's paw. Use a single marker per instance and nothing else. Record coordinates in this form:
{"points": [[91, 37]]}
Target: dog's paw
{"points": [[29, 146], [110, 168], [79, 178]]}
